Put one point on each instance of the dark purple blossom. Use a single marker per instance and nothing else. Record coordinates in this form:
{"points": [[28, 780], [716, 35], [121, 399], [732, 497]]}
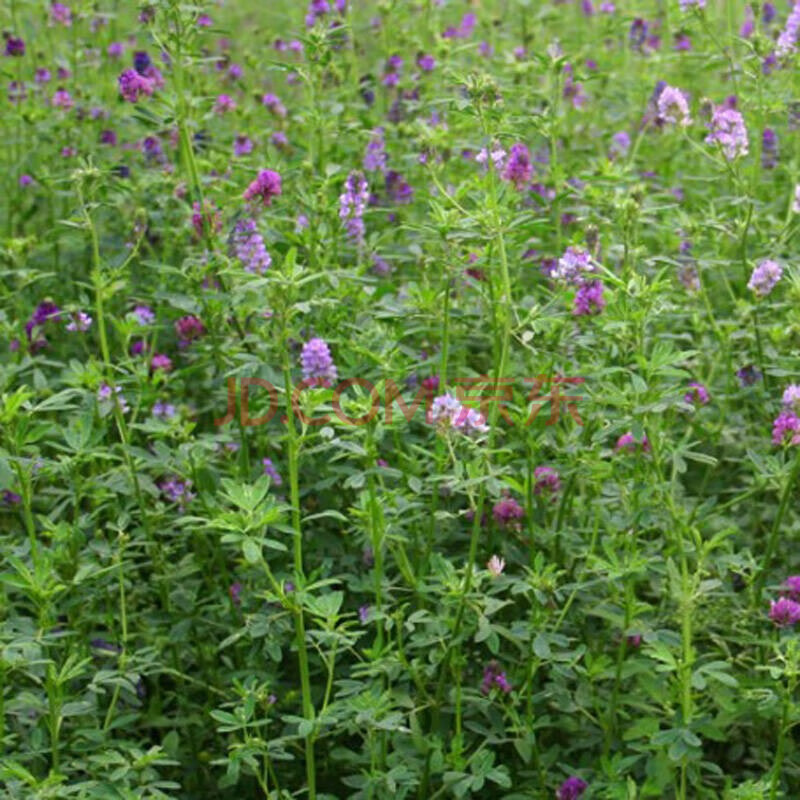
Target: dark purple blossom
{"points": [[571, 789]]}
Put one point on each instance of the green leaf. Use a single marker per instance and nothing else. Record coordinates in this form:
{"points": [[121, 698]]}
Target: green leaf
{"points": [[252, 551]]}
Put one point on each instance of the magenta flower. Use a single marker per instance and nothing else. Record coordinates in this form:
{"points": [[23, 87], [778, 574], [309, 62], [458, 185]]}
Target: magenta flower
{"points": [[63, 99], [60, 14], [224, 104], [791, 586], [784, 612], [786, 426], [161, 362], [266, 186], [507, 512], [189, 328], [628, 443], [518, 169]]}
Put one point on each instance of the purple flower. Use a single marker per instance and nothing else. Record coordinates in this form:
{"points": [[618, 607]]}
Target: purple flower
{"points": [[546, 481], [573, 787], [574, 267], [224, 103], [749, 24], [673, 107], [446, 411], [274, 105], [317, 362], [493, 677], [60, 14], [235, 592], [791, 397], [279, 139], [518, 169], [637, 33], [242, 145], [697, 395], [729, 131], [375, 158], [589, 299], [786, 426], [161, 362], [628, 443], [132, 85], [620, 145], [106, 396], [573, 90], [426, 62], [115, 49], [769, 149], [768, 13], [79, 322], [353, 203], [787, 41], [363, 614], [792, 586], [269, 469], [748, 375], [784, 612], [682, 43], [249, 247], [188, 328], [687, 4], [62, 99], [163, 410], [177, 491], [144, 315], [266, 186], [42, 313], [398, 188], [15, 45], [764, 278], [9, 498], [507, 512]]}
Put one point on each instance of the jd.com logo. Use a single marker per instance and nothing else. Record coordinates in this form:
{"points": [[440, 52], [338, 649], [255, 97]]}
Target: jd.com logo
{"points": [[489, 391]]}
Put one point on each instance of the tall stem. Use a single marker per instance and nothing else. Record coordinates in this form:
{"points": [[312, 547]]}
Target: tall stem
{"points": [[299, 621]]}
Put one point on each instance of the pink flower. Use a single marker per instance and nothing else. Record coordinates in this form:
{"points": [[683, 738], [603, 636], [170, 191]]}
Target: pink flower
{"points": [[496, 565]]}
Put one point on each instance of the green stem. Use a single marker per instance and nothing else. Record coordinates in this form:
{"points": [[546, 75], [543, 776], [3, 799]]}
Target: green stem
{"points": [[300, 631], [766, 561]]}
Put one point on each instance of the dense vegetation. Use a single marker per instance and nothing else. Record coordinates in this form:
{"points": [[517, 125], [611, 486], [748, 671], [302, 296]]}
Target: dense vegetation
{"points": [[400, 399]]}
